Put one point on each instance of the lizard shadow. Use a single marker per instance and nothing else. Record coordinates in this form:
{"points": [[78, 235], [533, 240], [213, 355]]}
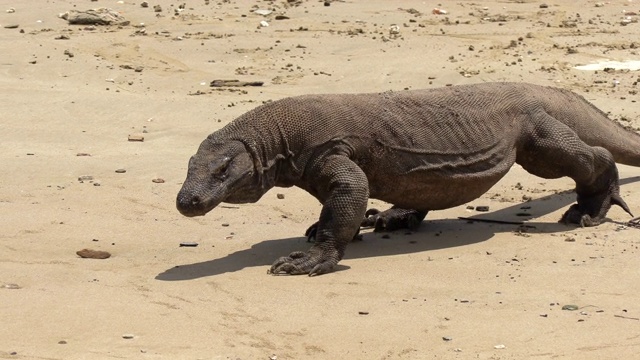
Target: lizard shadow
{"points": [[432, 235]]}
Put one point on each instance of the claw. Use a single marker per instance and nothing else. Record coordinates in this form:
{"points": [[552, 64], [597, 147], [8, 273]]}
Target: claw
{"points": [[311, 232], [320, 269], [371, 212], [287, 269]]}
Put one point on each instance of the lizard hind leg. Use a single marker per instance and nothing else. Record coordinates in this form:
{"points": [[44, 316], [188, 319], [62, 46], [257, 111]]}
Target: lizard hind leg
{"points": [[553, 150], [393, 219]]}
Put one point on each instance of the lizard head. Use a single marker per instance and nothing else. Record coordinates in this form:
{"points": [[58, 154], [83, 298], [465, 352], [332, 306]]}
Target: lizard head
{"points": [[219, 172]]}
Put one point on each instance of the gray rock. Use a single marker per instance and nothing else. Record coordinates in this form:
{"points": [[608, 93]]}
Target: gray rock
{"points": [[100, 16]]}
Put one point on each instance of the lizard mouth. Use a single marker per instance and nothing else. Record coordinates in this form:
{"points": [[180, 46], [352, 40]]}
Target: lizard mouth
{"points": [[191, 205]]}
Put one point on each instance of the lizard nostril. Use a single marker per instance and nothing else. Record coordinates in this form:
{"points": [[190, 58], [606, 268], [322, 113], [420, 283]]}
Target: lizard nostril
{"points": [[186, 201]]}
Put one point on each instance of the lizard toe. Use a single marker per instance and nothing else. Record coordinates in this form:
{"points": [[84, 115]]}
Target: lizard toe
{"points": [[393, 219], [298, 263], [577, 216], [287, 269]]}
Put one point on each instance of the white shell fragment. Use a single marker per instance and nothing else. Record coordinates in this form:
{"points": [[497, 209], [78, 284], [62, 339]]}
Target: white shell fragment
{"points": [[262, 12], [616, 65]]}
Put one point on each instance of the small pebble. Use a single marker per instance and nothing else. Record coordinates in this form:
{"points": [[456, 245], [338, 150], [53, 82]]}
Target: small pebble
{"points": [[158, 180], [85, 178], [363, 313], [188, 244], [12, 26], [482, 208], [10, 286], [128, 336], [570, 307], [62, 342], [225, 224], [446, 338], [93, 254], [500, 346], [138, 138], [280, 196], [121, 171]]}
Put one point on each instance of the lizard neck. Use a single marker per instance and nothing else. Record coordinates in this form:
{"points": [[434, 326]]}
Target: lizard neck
{"points": [[265, 138]]}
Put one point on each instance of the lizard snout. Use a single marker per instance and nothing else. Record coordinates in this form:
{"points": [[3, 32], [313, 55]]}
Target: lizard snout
{"points": [[189, 204]]}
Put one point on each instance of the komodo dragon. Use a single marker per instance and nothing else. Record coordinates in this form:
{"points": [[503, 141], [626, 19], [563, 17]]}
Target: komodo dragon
{"points": [[419, 150]]}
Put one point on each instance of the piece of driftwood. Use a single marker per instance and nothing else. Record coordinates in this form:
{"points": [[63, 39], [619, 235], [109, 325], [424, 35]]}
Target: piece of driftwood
{"points": [[223, 83], [492, 221]]}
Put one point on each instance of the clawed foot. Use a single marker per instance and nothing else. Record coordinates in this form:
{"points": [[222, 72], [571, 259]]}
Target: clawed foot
{"points": [[591, 211], [314, 262], [388, 220], [575, 216], [393, 219]]}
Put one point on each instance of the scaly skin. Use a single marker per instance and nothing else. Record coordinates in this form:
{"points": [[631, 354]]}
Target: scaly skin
{"points": [[419, 150]]}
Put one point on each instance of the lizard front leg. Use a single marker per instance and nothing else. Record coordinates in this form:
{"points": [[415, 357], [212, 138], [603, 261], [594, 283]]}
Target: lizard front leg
{"points": [[343, 189]]}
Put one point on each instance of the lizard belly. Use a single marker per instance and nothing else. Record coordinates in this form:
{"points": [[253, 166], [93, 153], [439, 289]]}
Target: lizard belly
{"points": [[436, 194], [439, 184]]}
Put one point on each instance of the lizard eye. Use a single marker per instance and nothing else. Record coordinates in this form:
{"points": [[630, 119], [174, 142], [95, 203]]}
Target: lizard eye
{"points": [[221, 168]]}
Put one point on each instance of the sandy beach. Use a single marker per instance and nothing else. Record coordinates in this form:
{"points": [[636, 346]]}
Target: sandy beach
{"points": [[76, 99]]}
